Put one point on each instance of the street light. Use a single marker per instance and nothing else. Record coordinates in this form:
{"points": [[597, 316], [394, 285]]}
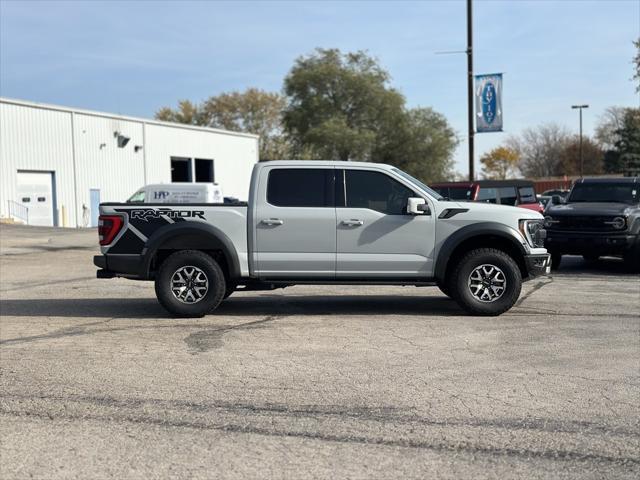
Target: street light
{"points": [[580, 107]]}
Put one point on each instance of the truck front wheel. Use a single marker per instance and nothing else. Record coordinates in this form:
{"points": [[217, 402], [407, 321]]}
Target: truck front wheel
{"points": [[486, 281], [190, 283]]}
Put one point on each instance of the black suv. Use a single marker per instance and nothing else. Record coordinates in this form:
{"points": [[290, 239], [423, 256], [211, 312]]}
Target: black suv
{"points": [[601, 216]]}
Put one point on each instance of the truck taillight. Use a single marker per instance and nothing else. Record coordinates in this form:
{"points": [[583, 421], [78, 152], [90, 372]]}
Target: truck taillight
{"points": [[108, 227]]}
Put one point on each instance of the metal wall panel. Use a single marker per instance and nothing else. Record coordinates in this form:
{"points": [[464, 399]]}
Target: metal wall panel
{"points": [[33, 139], [101, 164], [233, 156], [39, 137]]}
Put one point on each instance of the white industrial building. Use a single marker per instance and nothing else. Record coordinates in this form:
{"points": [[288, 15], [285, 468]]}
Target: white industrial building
{"points": [[57, 164]]}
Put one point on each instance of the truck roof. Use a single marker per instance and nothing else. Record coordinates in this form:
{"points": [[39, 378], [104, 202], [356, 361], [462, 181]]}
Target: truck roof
{"points": [[485, 183], [324, 163], [609, 180]]}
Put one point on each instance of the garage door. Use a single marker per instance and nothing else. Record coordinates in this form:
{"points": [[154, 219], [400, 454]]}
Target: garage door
{"points": [[35, 192]]}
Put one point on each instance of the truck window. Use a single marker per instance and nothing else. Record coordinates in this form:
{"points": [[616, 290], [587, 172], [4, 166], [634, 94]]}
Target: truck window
{"points": [[376, 191], [605, 192], [488, 195], [527, 195], [459, 193], [137, 197], [300, 187], [508, 195]]}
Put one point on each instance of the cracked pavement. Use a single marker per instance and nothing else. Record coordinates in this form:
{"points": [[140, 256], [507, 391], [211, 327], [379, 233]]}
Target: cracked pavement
{"points": [[96, 381]]}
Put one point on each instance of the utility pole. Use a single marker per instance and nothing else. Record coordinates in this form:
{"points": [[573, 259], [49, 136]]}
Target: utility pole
{"points": [[470, 87], [580, 107]]}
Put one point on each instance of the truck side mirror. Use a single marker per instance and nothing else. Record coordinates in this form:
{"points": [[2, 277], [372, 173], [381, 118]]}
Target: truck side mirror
{"points": [[556, 200], [417, 206]]}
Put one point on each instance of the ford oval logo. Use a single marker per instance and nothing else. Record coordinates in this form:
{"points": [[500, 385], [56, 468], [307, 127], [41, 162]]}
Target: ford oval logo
{"points": [[489, 103]]}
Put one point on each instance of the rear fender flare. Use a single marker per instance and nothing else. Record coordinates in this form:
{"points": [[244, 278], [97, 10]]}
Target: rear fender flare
{"points": [[190, 235]]}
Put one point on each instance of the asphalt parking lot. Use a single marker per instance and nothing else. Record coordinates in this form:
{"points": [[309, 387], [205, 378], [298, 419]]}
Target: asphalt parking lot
{"points": [[311, 382]]}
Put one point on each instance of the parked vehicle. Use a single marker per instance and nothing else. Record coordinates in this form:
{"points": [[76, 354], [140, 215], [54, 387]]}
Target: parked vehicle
{"points": [[324, 223], [545, 201], [519, 193], [181, 192], [601, 216], [557, 191]]}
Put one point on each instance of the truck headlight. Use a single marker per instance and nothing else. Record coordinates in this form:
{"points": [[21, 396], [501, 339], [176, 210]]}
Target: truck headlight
{"points": [[533, 231]]}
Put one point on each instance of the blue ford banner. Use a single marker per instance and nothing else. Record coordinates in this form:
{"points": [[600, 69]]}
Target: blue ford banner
{"points": [[489, 103]]}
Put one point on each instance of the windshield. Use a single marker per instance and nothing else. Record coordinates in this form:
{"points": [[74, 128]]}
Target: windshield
{"points": [[137, 197], [418, 183], [605, 192]]}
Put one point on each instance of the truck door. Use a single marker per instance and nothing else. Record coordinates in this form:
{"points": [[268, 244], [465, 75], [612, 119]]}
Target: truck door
{"points": [[375, 235], [295, 223]]}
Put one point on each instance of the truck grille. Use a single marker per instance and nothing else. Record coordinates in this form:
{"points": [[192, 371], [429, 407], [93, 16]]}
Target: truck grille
{"points": [[584, 223]]}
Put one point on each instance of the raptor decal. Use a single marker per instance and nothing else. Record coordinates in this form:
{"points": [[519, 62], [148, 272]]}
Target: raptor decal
{"points": [[146, 214]]}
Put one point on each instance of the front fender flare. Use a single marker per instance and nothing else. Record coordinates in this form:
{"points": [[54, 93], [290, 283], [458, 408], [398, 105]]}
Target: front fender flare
{"points": [[475, 230]]}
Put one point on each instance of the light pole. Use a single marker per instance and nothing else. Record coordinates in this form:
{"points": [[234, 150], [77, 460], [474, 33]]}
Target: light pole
{"points": [[580, 107], [470, 87]]}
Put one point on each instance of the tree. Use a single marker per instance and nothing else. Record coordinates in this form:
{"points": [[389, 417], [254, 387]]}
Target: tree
{"points": [[628, 145], [419, 141], [540, 150], [592, 155], [617, 132], [337, 103], [427, 152], [186, 112], [636, 62], [252, 111], [608, 124], [340, 106], [500, 163]]}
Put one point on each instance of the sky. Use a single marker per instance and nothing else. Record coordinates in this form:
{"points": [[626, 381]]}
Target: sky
{"points": [[133, 57]]}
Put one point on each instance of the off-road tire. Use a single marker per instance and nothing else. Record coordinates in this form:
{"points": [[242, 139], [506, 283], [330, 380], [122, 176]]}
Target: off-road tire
{"points": [[473, 259], [209, 267], [556, 259]]}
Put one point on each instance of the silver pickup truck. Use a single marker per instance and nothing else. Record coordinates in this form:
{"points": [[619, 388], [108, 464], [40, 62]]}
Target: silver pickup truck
{"points": [[324, 222]]}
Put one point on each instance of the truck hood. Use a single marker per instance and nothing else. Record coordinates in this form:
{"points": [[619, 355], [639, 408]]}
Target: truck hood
{"points": [[591, 208], [499, 210]]}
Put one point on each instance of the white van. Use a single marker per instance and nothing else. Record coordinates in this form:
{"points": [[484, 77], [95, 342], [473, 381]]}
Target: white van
{"points": [[178, 193]]}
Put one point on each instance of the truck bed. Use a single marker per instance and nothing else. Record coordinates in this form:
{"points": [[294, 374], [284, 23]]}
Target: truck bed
{"points": [[144, 223]]}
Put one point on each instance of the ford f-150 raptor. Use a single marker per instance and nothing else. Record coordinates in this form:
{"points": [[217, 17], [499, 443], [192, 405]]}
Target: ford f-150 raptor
{"points": [[324, 222]]}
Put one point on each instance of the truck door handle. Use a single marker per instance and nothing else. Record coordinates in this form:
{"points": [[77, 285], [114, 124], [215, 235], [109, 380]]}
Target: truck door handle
{"points": [[352, 223], [272, 221]]}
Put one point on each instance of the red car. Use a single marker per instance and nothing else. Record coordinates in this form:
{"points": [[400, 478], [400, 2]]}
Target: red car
{"points": [[519, 193]]}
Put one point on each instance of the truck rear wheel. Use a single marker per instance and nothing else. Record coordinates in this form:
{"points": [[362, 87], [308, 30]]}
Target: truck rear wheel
{"points": [[190, 283], [486, 281]]}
